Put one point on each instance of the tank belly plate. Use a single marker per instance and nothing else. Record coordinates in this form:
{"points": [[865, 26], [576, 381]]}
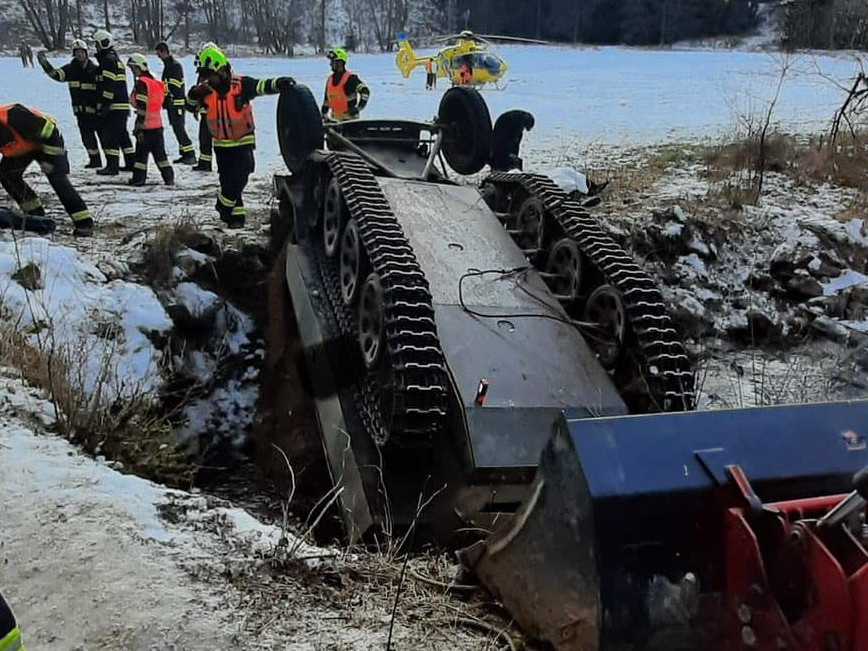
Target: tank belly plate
{"points": [[530, 362]]}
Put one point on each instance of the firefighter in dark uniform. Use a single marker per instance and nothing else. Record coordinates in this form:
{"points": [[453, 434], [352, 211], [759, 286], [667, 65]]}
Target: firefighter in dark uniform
{"points": [[10, 634], [80, 75], [114, 106], [176, 100], [226, 98], [206, 149], [148, 97], [345, 94], [26, 135]]}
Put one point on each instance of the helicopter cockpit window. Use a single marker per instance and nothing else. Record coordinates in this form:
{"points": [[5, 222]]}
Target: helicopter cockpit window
{"points": [[489, 62]]}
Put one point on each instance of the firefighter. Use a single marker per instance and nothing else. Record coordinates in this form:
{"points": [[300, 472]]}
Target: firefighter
{"points": [[80, 75], [148, 98], [26, 135], [226, 98], [10, 634], [345, 93], [22, 52], [114, 106], [206, 149], [176, 99], [430, 75]]}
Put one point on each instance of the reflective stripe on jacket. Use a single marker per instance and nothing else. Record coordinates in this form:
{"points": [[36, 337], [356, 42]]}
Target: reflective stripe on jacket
{"points": [[21, 146], [12, 641], [339, 102], [229, 124]]}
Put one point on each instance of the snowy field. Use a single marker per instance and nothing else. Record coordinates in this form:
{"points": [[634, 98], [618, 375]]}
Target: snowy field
{"points": [[611, 96]]}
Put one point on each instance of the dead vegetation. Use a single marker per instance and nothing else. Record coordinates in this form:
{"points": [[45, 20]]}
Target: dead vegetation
{"points": [[161, 251]]}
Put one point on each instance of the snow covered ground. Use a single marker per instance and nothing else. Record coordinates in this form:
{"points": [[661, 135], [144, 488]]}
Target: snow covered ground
{"points": [[609, 95], [97, 559]]}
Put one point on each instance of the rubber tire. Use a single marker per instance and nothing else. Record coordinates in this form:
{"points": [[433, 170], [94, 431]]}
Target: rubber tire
{"points": [[468, 138], [300, 128]]}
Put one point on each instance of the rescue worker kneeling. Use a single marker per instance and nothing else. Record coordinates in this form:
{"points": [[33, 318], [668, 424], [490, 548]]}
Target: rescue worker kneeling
{"points": [[226, 99], [26, 135], [148, 97]]}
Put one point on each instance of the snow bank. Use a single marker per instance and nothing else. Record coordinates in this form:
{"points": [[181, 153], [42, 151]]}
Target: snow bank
{"points": [[102, 328]]}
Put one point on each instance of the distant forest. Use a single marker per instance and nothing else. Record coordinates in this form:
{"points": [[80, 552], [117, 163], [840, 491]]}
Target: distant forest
{"points": [[635, 22]]}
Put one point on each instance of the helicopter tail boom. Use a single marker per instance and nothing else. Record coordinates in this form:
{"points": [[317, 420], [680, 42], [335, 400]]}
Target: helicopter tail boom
{"points": [[407, 59]]}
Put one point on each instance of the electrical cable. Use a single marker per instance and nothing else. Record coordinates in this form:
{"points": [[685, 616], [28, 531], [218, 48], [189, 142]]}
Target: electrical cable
{"points": [[508, 273]]}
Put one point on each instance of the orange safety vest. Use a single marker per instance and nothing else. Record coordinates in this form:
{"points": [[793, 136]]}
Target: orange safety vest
{"points": [[154, 107], [19, 146], [229, 125], [339, 102], [429, 67]]}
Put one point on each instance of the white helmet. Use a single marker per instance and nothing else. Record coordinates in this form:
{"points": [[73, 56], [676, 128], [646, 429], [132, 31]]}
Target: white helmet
{"points": [[139, 61], [206, 45], [79, 44], [103, 39]]}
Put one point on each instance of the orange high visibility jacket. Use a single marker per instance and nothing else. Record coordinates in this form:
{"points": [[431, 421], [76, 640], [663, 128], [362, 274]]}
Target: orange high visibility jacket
{"points": [[339, 102], [429, 66], [230, 126], [20, 146], [152, 104]]}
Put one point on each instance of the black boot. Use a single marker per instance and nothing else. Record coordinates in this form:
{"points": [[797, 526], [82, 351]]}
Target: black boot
{"points": [[83, 228], [186, 159], [94, 164], [168, 175], [138, 179], [35, 212], [110, 169], [202, 166]]}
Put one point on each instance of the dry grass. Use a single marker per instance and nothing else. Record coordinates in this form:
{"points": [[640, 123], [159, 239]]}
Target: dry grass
{"points": [[162, 249], [804, 160], [129, 429]]}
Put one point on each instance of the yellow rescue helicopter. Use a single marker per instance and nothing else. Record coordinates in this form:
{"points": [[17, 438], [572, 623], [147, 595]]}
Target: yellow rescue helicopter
{"points": [[467, 60]]}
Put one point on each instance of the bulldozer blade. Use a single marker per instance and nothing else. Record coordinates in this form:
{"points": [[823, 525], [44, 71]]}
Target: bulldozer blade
{"points": [[543, 566], [607, 487]]}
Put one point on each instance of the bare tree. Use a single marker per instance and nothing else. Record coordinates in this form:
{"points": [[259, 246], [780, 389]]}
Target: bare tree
{"points": [[276, 22], [105, 13], [49, 20], [388, 18], [146, 21]]}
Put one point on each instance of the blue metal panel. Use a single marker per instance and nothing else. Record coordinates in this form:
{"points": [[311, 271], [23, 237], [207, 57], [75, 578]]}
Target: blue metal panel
{"points": [[799, 446]]}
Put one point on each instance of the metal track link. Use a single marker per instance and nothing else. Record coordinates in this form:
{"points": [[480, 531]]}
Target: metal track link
{"points": [[417, 391], [664, 365]]}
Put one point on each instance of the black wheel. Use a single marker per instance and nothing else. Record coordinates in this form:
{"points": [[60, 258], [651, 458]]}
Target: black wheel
{"points": [[467, 123], [299, 126], [371, 320], [333, 217], [605, 307], [564, 269], [352, 265], [528, 227]]}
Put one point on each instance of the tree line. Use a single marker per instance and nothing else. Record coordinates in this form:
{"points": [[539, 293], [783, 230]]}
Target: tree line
{"points": [[634, 22], [826, 24], [280, 26]]}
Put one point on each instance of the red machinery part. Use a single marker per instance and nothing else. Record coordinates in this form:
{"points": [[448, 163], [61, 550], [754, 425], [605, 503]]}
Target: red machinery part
{"points": [[790, 583]]}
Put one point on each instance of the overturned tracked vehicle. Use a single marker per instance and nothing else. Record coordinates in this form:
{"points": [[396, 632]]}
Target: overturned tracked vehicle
{"points": [[474, 357], [445, 326]]}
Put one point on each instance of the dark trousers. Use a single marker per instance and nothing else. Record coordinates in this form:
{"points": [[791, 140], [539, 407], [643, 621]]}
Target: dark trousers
{"points": [[56, 169], [177, 120], [116, 139], [89, 130], [430, 81], [205, 145], [151, 143], [234, 167]]}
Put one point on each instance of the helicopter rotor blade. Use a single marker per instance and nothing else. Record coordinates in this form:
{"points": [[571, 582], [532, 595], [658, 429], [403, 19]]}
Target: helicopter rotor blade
{"points": [[513, 39]]}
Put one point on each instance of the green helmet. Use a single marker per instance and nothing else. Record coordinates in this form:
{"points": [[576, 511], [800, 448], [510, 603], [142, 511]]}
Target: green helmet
{"points": [[212, 58], [338, 53]]}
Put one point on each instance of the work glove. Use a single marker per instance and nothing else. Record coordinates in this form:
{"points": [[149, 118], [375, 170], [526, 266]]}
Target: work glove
{"points": [[285, 83], [200, 92]]}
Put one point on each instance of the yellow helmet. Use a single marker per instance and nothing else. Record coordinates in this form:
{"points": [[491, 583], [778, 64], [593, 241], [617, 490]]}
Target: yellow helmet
{"points": [[338, 53], [212, 58], [139, 61]]}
